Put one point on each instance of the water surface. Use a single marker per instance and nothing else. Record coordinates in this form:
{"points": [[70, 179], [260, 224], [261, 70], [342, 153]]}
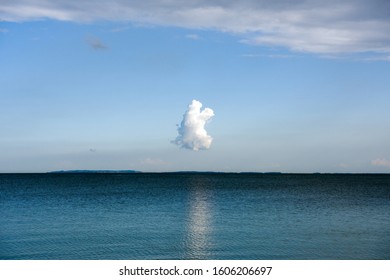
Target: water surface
{"points": [[194, 216]]}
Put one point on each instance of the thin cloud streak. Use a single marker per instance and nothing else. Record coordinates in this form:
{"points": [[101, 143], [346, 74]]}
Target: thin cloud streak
{"points": [[193, 37], [313, 26], [380, 162]]}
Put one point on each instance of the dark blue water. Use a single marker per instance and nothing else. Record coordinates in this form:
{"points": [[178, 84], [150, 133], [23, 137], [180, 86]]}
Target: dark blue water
{"points": [[194, 216]]}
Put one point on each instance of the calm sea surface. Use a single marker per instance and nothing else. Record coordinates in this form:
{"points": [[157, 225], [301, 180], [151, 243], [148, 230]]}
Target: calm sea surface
{"points": [[194, 216]]}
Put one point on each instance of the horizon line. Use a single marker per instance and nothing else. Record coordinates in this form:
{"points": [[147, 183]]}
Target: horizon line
{"points": [[92, 171]]}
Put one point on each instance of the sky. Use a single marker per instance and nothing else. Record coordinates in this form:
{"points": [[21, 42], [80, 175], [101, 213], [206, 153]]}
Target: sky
{"points": [[257, 86]]}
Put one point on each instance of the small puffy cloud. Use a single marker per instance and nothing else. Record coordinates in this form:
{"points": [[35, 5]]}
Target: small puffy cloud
{"points": [[380, 162], [96, 44], [192, 132]]}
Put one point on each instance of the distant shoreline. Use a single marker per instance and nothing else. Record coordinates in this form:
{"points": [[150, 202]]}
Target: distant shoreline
{"points": [[164, 172], [94, 171], [151, 172], [190, 172], [187, 172]]}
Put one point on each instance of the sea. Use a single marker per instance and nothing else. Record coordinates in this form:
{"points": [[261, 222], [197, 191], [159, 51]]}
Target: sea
{"points": [[201, 216]]}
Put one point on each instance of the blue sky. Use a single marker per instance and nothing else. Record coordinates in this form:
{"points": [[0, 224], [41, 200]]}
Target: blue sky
{"points": [[93, 87]]}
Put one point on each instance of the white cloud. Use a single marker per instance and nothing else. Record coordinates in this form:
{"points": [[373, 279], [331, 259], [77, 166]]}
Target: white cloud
{"points": [[192, 133], [381, 162], [315, 26]]}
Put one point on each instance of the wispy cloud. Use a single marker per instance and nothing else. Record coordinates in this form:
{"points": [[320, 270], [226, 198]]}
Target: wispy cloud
{"points": [[154, 162], [193, 36], [3, 30], [281, 56], [378, 58], [314, 26], [119, 29], [192, 132], [96, 44], [380, 162]]}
